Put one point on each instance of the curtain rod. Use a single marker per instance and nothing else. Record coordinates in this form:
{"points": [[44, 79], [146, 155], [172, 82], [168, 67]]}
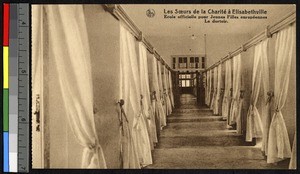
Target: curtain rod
{"points": [[267, 33], [118, 12]]}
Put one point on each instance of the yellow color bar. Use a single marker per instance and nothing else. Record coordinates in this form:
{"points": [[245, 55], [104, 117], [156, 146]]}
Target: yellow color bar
{"points": [[5, 67]]}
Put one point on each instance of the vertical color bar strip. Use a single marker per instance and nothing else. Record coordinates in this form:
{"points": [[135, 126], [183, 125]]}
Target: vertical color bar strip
{"points": [[5, 152], [5, 87], [5, 67], [5, 24]]}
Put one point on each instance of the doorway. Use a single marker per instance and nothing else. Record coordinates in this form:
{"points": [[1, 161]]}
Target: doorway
{"points": [[187, 81]]}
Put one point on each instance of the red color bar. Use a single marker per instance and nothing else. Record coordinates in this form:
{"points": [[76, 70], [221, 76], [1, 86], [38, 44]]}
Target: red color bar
{"points": [[5, 24]]}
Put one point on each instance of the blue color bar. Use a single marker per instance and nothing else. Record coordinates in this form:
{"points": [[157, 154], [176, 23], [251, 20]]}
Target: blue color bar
{"points": [[6, 152]]}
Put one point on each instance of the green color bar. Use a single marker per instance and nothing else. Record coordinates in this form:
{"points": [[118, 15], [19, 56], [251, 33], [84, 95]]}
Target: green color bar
{"points": [[5, 109]]}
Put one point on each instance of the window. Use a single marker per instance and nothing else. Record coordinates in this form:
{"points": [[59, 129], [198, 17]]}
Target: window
{"points": [[203, 62], [182, 63], [192, 62], [183, 83], [187, 83], [197, 62], [185, 62], [188, 61], [185, 80]]}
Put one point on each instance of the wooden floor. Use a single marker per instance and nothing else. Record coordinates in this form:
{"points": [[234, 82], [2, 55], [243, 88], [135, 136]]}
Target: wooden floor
{"points": [[195, 139]]}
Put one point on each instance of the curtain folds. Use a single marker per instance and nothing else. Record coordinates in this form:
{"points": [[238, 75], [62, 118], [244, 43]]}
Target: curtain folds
{"points": [[228, 85], [210, 86], [254, 127], [236, 85], [145, 92], [207, 89], [214, 90], [129, 156], [166, 92], [130, 92], [161, 95], [159, 111], [206, 86], [68, 41], [266, 113], [278, 143], [218, 93]]}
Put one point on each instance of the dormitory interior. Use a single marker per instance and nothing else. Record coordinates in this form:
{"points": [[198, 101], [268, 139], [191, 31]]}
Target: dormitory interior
{"points": [[185, 55]]}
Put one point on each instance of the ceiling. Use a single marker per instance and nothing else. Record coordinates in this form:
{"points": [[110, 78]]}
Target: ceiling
{"points": [[159, 26]]}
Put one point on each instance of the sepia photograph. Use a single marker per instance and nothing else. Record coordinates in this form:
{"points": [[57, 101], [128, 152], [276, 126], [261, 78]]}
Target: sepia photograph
{"points": [[163, 86]]}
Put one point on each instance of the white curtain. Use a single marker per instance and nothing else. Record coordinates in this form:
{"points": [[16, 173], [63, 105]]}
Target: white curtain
{"points": [[129, 152], [68, 41], [254, 126], [213, 104], [239, 113], [145, 91], [266, 116], [278, 144], [157, 102], [210, 87], [236, 85], [254, 122], [159, 106], [161, 95], [218, 94], [228, 85], [166, 92], [205, 76], [171, 88], [132, 97]]}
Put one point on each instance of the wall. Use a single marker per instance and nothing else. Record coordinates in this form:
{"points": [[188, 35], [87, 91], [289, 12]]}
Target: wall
{"points": [[216, 48], [104, 40]]}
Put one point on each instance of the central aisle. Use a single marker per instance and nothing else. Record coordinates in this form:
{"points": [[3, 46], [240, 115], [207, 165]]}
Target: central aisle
{"points": [[195, 139]]}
